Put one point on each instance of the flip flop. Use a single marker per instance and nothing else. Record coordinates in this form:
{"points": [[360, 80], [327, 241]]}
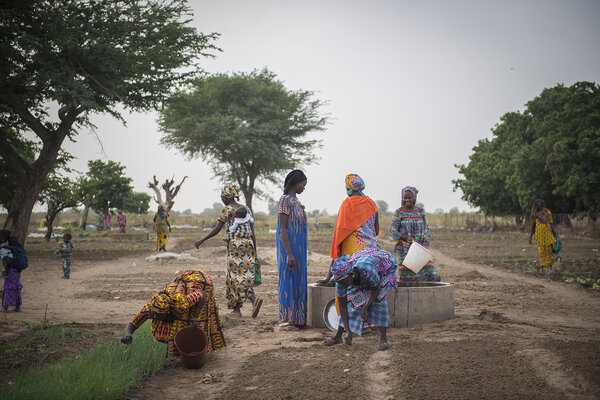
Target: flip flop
{"points": [[289, 328], [256, 309]]}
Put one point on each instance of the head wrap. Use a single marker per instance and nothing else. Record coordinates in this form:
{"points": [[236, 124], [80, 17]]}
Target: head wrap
{"points": [[161, 207], [411, 189], [161, 303], [292, 179], [341, 268], [229, 192], [354, 182]]}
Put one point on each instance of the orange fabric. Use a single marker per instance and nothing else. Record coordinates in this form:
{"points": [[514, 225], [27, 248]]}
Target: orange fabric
{"points": [[354, 211]]}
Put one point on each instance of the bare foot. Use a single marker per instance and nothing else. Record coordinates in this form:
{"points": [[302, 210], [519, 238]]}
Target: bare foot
{"points": [[17, 309], [383, 346], [332, 341], [235, 314]]}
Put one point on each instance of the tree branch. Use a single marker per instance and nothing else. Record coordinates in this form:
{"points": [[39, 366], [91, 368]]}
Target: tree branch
{"points": [[14, 161], [33, 123]]}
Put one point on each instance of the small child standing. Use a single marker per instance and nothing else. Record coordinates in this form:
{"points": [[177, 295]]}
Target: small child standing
{"points": [[241, 224], [64, 250]]}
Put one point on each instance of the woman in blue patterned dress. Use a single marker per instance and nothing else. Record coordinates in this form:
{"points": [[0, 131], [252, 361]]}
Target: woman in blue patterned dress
{"points": [[291, 253], [362, 282], [409, 224]]}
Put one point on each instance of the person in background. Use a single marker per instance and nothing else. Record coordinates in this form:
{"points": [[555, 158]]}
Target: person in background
{"points": [[408, 225], [64, 250], [188, 300], [292, 242], [545, 236], [122, 221], [12, 288], [161, 227], [107, 219], [241, 254]]}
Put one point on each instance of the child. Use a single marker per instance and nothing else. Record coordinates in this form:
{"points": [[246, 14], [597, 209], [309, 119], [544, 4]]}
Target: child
{"points": [[65, 249], [11, 293], [240, 224]]}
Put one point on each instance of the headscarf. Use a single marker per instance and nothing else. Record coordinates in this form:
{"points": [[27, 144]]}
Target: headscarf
{"points": [[161, 303], [229, 192], [411, 189], [161, 207], [354, 182], [293, 178], [341, 268]]}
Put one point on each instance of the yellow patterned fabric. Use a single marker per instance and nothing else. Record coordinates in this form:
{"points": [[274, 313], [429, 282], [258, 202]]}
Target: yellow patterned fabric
{"points": [[544, 239], [182, 295], [241, 256], [229, 192]]}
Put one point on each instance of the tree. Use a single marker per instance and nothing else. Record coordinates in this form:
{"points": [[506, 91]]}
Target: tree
{"points": [[382, 206], [247, 126], [58, 193], [83, 57], [170, 192], [272, 207], [135, 202]]}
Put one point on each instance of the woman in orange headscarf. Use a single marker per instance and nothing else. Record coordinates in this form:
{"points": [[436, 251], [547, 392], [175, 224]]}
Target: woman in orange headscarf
{"points": [[357, 222]]}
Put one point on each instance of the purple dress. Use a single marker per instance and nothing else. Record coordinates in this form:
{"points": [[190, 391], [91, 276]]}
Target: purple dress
{"points": [[11, 293]]}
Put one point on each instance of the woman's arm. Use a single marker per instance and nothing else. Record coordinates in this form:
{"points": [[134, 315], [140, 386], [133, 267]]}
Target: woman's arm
{"points": [[210, 234], [254, 239], [377, 223], [343, 303], [283, 224]]}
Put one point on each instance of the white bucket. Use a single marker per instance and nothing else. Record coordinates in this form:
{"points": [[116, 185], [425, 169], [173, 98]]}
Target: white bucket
{"points": [[417, 257]]}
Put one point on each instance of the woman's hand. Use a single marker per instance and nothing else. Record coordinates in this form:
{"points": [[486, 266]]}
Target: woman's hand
{"points": [[198, 243], [291, 262], [127, 339], [348, 337], [364, 315], [195, 323], [407, 239], [322, 282]]}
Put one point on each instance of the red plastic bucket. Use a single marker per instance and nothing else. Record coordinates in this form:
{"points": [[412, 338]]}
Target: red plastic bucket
{"points": [[192, 344]]}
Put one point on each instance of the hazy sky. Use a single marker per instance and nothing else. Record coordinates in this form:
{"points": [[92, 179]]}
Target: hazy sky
{"points": [[412, 86]]}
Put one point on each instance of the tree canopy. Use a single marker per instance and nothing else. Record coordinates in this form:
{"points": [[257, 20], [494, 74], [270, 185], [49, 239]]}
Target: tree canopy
{"points": [[550, 151], [248, 126], [62, 60]]}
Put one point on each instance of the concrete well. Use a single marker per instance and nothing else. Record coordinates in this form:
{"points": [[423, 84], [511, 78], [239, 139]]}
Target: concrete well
{"points": [[410, 304]]}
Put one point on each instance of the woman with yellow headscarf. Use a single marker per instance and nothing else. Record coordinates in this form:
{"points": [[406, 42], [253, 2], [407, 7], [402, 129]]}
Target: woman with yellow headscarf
{"points": [[161, 227], [241, 255], [188, 300]]}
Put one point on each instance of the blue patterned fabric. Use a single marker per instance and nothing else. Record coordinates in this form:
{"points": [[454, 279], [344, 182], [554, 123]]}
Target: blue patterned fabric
{"points": [[292, 283], [376, 267]]}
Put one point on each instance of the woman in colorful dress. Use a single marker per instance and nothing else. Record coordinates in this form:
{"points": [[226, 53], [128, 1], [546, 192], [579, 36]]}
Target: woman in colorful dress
{"points": [[241, 256], [121, 220], [188, 300], [545, 236], [362, 282], [161, 227], [357, 222], [408, 225], [291, 253]]}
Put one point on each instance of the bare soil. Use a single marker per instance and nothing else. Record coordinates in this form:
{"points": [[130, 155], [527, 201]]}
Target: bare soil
{"points": [[514, 335]]}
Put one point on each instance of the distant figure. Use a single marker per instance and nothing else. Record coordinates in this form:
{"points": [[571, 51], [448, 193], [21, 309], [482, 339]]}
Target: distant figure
{"points": [[317, 224], [545, 236], [64, 250], [292, 247], [121, 220], [408, 225], [107, 218], [161, 227], [11, 293]]}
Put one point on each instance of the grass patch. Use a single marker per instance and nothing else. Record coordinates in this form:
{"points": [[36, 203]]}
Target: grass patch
{"points": [[101, 372]]}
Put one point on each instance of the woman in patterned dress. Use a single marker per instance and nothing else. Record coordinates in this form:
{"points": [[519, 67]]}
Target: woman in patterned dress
{"points": [[161, 227], [188, 300], [291, 253], [241, 256], [408, 225], [362, 282], [545, 237], [357, 223]]}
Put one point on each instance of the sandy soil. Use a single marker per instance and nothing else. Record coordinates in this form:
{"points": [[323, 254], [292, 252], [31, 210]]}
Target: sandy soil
{"points": [[514, 336]]}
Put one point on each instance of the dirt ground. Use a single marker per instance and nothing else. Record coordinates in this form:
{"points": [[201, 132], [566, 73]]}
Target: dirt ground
{"points": [[514, 335]]}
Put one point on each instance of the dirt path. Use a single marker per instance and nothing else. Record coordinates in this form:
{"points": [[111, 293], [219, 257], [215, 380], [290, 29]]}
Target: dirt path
{"points": [[514, 336]]}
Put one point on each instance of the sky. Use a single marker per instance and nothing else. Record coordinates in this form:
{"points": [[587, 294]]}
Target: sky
{"points": [[411, 87]]}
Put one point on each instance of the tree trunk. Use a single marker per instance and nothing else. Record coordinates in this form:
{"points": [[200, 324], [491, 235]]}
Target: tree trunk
{"points": [[24, 199], [519, 221], [84, 217], [50, 217]]}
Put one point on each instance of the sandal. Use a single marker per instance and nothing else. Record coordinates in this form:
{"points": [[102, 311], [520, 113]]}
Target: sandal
{"points": [[256, 309], [289, 328]]}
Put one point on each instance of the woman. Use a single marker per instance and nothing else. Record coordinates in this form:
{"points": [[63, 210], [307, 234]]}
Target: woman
{"points": [[362, 283], [291, 253], [161, 226], [121, 220], [188, 300], [12, 288], [241, 256], [545, 236], [357, 222], [409, 225]]}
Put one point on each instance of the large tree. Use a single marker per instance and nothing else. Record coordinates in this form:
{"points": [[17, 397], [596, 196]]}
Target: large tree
{"points": [[248, 126], [71, 59]]}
